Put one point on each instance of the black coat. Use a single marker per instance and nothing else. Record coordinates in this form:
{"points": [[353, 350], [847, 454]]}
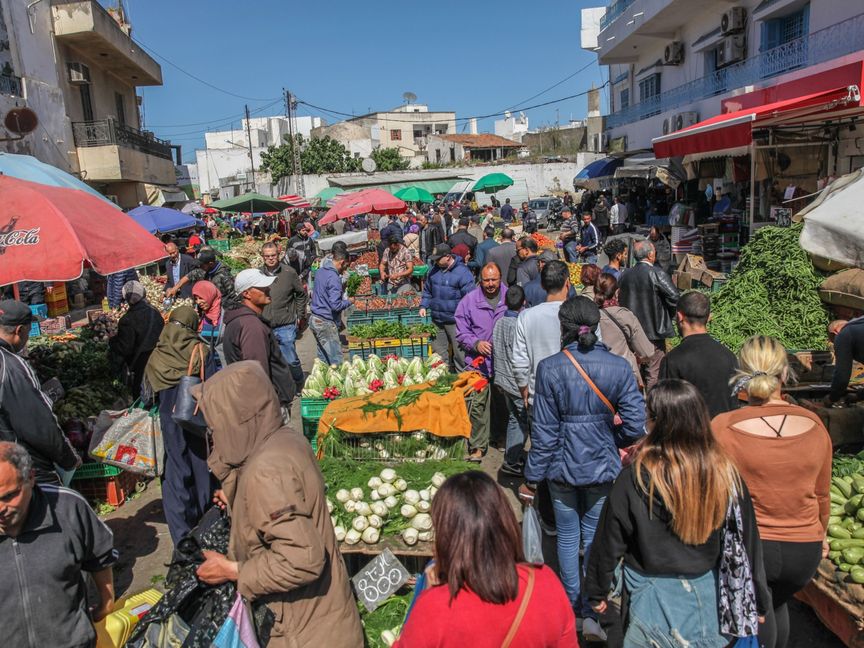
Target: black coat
{"points": [[187, 264], [651, 295], [431, 236], [137, 334]]}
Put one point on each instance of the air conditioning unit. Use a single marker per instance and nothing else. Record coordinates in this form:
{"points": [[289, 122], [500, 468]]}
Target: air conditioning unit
{"points": [[674, 53], [668, 125], [79, 73], [731, 50], [733, 21], [685, 119]]}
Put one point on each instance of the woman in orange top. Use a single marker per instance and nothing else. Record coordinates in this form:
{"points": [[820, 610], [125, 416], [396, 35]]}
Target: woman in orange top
{"points": [[783, 452]]}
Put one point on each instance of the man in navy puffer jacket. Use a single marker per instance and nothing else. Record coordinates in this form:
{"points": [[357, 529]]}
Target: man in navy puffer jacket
{"points": [[448, 282]]}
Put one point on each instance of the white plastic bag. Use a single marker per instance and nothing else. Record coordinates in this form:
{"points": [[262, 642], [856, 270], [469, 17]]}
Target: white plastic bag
{"points": [[131, 439], [532, 537]]}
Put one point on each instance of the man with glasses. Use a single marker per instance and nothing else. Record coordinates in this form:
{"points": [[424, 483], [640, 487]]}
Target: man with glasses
{"points": [[286, 308], [248, 337]]}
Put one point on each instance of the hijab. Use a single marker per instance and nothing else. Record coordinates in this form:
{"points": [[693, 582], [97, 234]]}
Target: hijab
{"points": [[169, 361], [208, 291], [242, 411]]}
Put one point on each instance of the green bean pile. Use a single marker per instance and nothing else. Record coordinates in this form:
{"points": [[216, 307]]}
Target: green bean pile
{"points": [[773, 291]]}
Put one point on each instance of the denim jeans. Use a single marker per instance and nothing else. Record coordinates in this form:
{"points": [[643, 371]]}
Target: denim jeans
{"points": [[571, 255], [517, 430], [286, 336], [327, 338], [577, 512], [588, 258]]}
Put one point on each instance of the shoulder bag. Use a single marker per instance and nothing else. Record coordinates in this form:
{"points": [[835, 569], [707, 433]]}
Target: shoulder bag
{"points": [[594, 388], [187, 411], [737, 594], [523, 607]]}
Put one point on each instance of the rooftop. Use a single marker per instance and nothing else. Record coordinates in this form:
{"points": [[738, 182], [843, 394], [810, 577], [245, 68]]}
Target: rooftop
{"points": [[483, 140]]}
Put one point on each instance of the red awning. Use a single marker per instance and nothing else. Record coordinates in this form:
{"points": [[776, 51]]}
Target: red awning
{"points": [[735, 129]]}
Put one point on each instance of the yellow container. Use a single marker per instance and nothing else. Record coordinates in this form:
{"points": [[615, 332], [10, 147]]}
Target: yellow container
{"points": [[114, 630]]}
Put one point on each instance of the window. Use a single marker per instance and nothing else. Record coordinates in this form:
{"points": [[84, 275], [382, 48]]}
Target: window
{"points": [[649, 95], [86, 102], [437, 156], [121, 108], [784, 42], [396, 134], [624, 96]]}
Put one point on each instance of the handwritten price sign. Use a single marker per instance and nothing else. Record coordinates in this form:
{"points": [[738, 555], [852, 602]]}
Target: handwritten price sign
{"points": [[380, 579]]}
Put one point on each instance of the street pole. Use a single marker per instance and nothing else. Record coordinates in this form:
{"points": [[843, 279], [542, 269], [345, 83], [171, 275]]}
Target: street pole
{"points": [[249, 141], [296, 166]]}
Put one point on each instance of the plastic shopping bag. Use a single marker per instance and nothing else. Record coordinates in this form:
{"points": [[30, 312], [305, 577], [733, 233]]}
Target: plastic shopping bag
{"points": [[131, 440], [238, 631], [532, 537]]}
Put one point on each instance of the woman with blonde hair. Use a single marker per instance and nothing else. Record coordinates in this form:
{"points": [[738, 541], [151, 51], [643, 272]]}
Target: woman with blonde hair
{"points": [[783, 452], [665, 517]]}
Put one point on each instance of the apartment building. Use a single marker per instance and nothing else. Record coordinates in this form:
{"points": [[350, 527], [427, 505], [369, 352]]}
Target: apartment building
{"points": [[76, 66], [707, 78]]}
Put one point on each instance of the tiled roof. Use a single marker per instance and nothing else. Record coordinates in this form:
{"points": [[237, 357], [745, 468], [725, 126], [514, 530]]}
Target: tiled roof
{"points": [[484, 140]]}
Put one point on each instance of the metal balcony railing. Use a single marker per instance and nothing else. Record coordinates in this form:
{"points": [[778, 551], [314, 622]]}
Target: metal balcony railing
{"points": [[613, 11], [107, 132], [10, 85], [821, 46]]}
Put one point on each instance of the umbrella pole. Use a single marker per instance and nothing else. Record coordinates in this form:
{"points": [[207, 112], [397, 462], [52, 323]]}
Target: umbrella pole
{"points": [[15, 292]]}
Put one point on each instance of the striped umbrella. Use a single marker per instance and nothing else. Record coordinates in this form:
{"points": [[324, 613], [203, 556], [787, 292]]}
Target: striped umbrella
{"points": [[295, 200]]}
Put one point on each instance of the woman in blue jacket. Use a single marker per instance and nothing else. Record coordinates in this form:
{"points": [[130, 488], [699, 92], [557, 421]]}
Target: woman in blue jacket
{"points": [[586, 406]]}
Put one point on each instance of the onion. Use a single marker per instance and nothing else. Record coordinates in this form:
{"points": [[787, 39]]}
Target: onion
{"points": [[342, 496], [359, 523], [371, 535], [380, 509], [375, 521], [409, 536], [357, 494], [340, 533], [423, 507], [411, 496], [352, 537], [388, 475], [408, 511], [391, 502], [422, 522], [437, 479], [374, 482], [400, 484]]}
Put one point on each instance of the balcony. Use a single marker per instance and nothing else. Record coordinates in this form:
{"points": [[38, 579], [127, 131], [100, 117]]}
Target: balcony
{"points": [[10, 85], [91, 31], [110, 152], [613, 11], [819, 47]]}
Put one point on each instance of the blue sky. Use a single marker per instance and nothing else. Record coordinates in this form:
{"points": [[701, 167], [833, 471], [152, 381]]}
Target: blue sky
{"points": [[475, 58]]}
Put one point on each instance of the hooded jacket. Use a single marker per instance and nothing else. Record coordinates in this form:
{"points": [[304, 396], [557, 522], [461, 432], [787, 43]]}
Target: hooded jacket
{"points": [[281, 534], [475, 322], [327, 302], [444, 289], [247, 337]]}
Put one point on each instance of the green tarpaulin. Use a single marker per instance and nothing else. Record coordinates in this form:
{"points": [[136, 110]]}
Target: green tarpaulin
{"points": [[250, 202], [327, 193]]}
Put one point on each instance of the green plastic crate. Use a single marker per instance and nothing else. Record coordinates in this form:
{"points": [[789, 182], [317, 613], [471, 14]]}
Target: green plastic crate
{"points": [[310, 431], [221, 245], [313, 408], [95, 471]]}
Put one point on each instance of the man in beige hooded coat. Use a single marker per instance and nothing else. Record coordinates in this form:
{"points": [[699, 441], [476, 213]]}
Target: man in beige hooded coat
{"points": [[282, 548]]}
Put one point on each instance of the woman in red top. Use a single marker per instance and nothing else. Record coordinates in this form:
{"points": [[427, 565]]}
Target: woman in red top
{"points": [[482, 592]]}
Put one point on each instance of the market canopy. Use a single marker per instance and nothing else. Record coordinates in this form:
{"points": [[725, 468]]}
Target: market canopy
{"points": [[669, 171], [590, 176], [327, 193], [492, 183], [295, 200], [834, 222], [161, 219], [734, 130], [414, 194], [50, 233], [26, 167], [251, 202], [367, 201]]}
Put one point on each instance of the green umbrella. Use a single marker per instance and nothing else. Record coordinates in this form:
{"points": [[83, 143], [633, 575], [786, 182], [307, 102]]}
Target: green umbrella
{"points": [[327, 193], [414, 194], [250, 202], [493, 182]]}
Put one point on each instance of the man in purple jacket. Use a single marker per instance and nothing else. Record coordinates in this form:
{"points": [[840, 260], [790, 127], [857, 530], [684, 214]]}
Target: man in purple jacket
{"points": [[476, 315]]}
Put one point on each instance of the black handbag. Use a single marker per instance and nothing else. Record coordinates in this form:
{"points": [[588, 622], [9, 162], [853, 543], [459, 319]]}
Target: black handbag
{"points": [[187, 412]]}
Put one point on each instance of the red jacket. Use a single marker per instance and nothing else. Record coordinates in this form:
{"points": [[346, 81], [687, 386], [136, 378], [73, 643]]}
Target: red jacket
{"points": [[548, 621]]}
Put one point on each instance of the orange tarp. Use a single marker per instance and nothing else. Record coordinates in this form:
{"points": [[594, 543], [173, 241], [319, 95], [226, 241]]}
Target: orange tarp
{"points": [[444, 415]]}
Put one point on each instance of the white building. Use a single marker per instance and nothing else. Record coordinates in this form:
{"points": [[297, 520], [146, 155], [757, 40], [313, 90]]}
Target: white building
{"points": [[224, 167], [512, 128], [677, 63]]}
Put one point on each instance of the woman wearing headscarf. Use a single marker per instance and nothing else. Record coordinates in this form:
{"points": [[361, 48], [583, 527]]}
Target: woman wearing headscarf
{"points": [[208, 301], [186, 486], [283, 547], [586, 407], [137, 334]]}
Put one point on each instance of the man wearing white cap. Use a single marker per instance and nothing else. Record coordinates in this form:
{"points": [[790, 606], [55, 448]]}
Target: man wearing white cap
{"points": [[248, 337]]}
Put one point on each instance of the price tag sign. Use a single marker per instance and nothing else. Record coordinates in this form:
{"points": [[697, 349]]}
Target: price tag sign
{"points": [[380, 579], [361, 269]]}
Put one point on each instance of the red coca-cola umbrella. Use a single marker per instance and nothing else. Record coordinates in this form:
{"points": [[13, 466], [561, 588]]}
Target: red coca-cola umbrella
{"points": [[51, 233], [367, 201]]}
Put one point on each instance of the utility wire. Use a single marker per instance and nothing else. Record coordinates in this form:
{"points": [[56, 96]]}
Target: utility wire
{"points": [[199, 79], [552, 87]]}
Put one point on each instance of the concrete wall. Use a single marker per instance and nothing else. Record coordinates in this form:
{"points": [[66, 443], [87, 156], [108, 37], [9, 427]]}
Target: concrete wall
{"points": [[265, 131], [214, 164], [119, 163], [555, 141]]}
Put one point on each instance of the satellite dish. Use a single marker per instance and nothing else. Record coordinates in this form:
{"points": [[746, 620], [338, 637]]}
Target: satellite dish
{"points": [[369, 165], [409, 97], [506, 114], [21, 121]]}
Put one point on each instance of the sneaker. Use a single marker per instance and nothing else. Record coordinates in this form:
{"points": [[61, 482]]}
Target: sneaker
{"points": [[592, 631], [511, 470]]}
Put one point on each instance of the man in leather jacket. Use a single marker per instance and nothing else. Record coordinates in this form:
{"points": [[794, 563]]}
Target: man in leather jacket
{"points": [[650, 294]]}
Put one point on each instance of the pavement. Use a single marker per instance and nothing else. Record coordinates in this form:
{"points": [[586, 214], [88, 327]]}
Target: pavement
{"points": [[142, 539]]}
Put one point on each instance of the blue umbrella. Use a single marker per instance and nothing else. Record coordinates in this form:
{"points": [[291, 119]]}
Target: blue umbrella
{"points": [[598, 169], [26, 167], [161, 219]]}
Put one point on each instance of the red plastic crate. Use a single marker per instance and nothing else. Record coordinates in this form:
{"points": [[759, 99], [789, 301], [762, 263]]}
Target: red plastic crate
{"points": [[113, 489]]}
